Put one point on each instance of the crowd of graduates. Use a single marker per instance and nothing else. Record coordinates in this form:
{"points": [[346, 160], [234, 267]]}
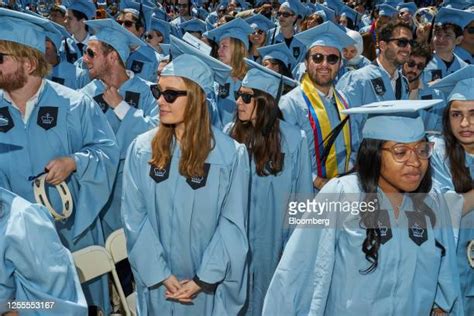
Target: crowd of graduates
{"points": [[194, 126]]}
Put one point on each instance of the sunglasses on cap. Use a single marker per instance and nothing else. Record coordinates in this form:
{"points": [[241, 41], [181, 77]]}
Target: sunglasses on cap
{"points": [[402, 42], [284, 14], [170, 96], [90, 53], [332, 59], [412, 63], [126, 23], [2, 57], [246, 97]]}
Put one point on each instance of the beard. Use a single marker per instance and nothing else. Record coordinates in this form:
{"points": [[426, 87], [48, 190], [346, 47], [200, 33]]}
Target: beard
{"points": [[14, 81], [322, 81]]}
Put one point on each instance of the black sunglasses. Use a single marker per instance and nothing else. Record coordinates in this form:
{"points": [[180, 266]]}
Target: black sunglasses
{"points": [[126, 23], [412, 64], [2, 57], [90, 53], [470, 30], [332, 59], [169, 95], [258, 32], [246, 97], [284, 14], [403, 42]]}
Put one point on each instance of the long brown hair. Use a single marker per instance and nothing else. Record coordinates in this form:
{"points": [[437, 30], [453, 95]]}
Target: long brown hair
{"points": [[456, 155], [21, 52], [263, 139], [197, 141], [239, 52]]}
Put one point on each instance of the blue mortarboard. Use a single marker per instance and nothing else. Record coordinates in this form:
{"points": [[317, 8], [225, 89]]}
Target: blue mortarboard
{"points": [[335, 5], [58, 36], [161, 26], [112, 33], [200, 13], [456, 4], [193, 25], [459, 85], [264, 79], [260, 22], [410, 6], [330, 13], [165, 50], [350, 13], [326, 34], [237, 28], [295, 6], [160, 14], [396, 120], [454, 16], [85, 6], [24, 29], [189, 62], [387, 10], [278, 51]]}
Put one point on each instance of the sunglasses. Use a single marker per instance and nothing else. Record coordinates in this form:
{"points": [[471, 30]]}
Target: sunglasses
{"points": [[90, 53], [284, 14], [412, 64], [126, 23], [2, 57], [332, 59], [246, 97], [170, 96], [402, 42], [149, 37], [258, 32], [470, 30]]}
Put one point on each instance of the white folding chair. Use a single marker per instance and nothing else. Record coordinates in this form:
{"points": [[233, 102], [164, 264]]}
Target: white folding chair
{"points": [[116, 245], [470, 253], [94, 261]]}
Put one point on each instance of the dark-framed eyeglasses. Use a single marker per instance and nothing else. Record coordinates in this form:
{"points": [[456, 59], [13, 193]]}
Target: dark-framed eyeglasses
{"points": [[2, 57], [126, 23], [401, 153], [90, 53], [412, 63], [332, 59], [170, 96], [246, 97], [148, 37], [284, 14], [402, 42]]}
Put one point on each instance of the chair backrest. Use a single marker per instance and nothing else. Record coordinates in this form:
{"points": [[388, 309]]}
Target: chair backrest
{"points": [[116, 245]]}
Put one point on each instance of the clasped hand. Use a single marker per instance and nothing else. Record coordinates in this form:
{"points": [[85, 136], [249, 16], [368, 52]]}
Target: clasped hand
{"points": [[183, 291]]}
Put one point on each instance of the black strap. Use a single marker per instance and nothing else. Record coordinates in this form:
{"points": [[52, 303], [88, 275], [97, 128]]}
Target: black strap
{"points": [[206, 287], [329, 141], [398, 87], [80, 46]]}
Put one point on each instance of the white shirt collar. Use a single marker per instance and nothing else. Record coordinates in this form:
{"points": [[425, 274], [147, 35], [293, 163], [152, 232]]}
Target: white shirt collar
{"points": [[30, 104]]}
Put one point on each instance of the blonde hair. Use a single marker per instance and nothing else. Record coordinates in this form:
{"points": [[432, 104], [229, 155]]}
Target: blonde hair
{"points": [[239, 52], [20, 52], [197, 140]]}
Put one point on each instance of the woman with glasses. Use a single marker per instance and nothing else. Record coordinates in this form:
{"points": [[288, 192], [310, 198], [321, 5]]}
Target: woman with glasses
{"points": [[233, 41], [386, 246], [185, 206], [280, 173], [159, 33], [453, 164], [258, 38]]}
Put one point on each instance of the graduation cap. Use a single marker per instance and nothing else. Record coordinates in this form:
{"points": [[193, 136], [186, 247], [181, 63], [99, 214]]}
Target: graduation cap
{"points": [[264, 79], [396, 120], [237, 28], [160, 14], [454, 16], [161, 26], [330, 13], [459, 85], [278, 51], [193, 25], [25, 29], [335, 5], [189, 62], [84, 6], [326, 34], [349, 13], [387, 10], [296, 7], [456, 4], [260, 22], [409, 6], [58, 36], [112, 33]]}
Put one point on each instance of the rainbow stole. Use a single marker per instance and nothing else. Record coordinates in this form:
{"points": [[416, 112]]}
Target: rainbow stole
{"points": [[321, 126]]}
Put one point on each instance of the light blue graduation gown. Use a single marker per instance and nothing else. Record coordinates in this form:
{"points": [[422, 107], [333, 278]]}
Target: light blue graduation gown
{"points": [[297, 48], [141, 117], [319, 273], [364, 61], [464, 55], [436, 68], [432, 117], [34, 266], [69, 75], [268, 207], [172, 228], [295, 112], [144, 63], [366, 85], [226, 102], [443, 180], [63, 123]]}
